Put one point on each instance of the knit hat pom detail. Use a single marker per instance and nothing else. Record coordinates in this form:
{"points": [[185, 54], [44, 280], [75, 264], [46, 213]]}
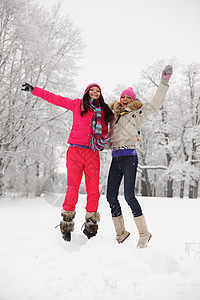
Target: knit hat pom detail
{"points": [[129, 91]]}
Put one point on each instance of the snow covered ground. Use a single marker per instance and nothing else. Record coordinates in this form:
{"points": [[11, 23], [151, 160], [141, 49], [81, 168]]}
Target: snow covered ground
{"points": [[35, 263]]}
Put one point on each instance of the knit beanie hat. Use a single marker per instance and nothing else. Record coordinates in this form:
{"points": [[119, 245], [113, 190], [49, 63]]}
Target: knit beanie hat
{"points": [[129, 91], [90, 86]]}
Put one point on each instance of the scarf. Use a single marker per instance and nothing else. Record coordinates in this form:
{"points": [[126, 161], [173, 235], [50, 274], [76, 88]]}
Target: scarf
{"points": [[96, 119], [97, 141]]}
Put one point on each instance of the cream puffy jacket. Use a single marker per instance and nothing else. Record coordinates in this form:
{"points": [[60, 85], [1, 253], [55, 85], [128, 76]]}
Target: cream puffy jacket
{"points": [[126, 129]]}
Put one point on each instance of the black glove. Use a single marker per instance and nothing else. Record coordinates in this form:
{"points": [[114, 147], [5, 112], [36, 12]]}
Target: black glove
{"points": [[27, 87]]}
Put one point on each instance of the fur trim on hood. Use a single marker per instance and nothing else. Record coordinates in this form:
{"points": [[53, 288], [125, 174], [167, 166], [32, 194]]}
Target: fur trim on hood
{"points": [[117, 107]]}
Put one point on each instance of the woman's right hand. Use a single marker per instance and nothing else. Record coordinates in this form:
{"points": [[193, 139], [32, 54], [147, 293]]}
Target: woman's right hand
{"points": [[27, 87]]}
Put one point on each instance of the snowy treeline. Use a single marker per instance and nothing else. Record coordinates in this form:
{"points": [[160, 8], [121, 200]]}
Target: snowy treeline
{"points": [[36, 46], [170, 141], [169, 146], [40, 47]]}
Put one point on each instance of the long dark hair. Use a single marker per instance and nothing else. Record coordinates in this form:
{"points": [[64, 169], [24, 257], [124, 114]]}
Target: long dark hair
{"points": [[108, 114]]}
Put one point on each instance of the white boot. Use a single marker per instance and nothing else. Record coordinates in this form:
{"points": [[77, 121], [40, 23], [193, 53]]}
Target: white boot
{"points": [[144, 234], [121, 233]]}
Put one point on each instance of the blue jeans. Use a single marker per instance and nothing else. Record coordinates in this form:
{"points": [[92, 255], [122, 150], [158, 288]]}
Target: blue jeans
{"points": [[123, 166]]}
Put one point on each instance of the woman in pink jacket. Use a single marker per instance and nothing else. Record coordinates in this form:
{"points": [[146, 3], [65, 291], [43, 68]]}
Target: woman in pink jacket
{"points": [[88, 135]]}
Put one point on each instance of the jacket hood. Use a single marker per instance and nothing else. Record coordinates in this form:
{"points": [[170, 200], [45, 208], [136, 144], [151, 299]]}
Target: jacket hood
{"points": [[117, 107]]}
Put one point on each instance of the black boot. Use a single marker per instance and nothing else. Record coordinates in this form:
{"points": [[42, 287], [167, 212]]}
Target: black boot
{"points": [[67, 224], [67, 236], [91, 225]]}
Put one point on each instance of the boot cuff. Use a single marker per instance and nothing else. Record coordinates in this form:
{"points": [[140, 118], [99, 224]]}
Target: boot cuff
{"points": [[95, 217], [68, 214]]}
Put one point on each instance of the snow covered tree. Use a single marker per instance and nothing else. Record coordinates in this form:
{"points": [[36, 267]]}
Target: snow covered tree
{"points": [[152, 147], [190, 135], [39, 47]]}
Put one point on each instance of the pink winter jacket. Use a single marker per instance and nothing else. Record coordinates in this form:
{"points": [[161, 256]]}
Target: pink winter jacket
{"points": [[82, 126]]}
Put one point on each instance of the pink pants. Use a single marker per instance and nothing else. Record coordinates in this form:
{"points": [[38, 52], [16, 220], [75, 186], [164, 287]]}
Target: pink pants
{"points": [[81, 160]]}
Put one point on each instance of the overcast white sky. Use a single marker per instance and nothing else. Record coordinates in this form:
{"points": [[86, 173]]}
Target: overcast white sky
{"points": [[123, 37]]}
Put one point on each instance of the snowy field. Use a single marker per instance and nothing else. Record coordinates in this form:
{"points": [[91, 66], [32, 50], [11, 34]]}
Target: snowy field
{"points": [[35, 263]]}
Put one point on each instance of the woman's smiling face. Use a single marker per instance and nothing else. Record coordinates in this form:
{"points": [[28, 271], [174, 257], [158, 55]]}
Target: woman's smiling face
{"points": [[126, 100], [94, 92]]}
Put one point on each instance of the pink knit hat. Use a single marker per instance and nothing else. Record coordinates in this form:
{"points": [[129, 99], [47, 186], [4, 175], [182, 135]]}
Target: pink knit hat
{"points": [[129, 91], [90, 86]]}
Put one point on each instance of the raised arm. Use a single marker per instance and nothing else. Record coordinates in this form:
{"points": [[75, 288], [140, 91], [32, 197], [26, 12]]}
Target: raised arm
{"points": [[159, 97], [49, 97]]}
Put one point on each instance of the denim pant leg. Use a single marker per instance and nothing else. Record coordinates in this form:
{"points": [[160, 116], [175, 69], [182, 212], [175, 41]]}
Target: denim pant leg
{"points": [[114, 180], [129, 168]]}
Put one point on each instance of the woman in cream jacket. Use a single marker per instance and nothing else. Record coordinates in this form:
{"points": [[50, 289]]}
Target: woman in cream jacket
{"points": [[129, 115]]}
